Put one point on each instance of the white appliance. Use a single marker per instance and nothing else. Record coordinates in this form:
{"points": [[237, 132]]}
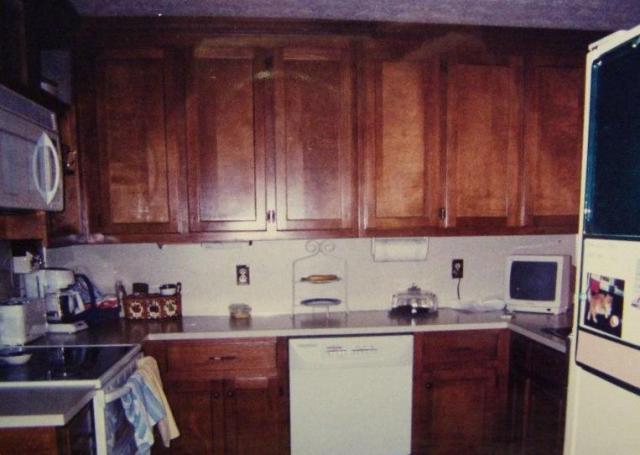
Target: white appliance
{"points": [[49, 280], [537, 283], [30, 160], [22, 320], [62, 307], [603, 409], [351, 395]]}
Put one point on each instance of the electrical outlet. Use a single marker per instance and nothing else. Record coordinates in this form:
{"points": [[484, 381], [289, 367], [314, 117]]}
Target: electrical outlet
{"points": [[242, 275], [457, 268]]}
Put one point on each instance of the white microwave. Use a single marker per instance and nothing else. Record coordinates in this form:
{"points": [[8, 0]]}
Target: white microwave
{"points": [[30, 159]]}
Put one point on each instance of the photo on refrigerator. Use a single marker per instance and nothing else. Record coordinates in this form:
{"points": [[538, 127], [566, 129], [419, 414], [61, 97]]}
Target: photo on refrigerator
{"points": [[604, 304]]}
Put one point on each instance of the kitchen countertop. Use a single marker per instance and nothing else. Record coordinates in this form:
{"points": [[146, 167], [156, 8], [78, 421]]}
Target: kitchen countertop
{"points": [[41, 407], [319, 324]]}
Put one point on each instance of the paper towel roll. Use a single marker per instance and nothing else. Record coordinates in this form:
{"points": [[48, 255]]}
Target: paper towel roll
{"points": [[409, 249]]}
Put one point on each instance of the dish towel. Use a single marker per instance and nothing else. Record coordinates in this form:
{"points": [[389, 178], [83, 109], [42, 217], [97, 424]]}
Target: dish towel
{"points": [[148, 368], [143, 409]]}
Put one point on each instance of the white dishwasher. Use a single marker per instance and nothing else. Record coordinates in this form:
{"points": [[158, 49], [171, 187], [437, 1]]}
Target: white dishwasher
{"points": [[351, 395]]}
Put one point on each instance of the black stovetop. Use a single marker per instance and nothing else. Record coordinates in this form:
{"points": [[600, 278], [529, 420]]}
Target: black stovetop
{"points": [[63, 363]]}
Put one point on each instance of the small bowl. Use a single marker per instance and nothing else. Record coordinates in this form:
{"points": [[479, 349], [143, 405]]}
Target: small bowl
{"points": [[15, 359], [239, 311], [169, 289]]}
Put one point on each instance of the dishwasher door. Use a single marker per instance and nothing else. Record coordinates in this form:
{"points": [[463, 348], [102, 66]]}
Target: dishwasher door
{"points": [[351, 395]]}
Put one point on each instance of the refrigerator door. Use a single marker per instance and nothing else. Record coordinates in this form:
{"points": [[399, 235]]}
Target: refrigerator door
{"points": [[608, 342]]}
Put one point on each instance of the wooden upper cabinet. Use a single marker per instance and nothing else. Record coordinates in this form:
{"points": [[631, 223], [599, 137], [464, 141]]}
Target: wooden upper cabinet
{"points": [[226, 139], [401, 118], [315, 170], [483, 151], [138, 160], [553, 141]]}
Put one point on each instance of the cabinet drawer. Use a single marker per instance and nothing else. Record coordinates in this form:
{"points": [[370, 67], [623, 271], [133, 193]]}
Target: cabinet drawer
{"points": [[221, 355], [459, 347]]}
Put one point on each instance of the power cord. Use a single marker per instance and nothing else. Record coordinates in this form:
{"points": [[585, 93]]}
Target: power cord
{"points": [[458, 287]]}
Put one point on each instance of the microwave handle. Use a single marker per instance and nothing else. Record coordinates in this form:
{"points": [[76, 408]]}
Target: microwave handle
{"points": [[45, 145]]}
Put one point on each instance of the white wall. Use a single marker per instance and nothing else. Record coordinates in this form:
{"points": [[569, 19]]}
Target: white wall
{"points": [[207, 273]]}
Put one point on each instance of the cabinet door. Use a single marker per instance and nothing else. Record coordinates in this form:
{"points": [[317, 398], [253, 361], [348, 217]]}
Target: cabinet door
{"points": [[543, 420], [401, 148], [194, 406], [454, 411], [314, 140], [138, 160], [484, 142], [553, 141], [253, 416], [226, 140]]}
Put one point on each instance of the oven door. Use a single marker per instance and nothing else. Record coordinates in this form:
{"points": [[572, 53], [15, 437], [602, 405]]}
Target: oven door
{"points": [[114, 433]]}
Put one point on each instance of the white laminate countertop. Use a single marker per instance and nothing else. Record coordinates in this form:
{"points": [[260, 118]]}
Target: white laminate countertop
{"points": [[360, 323], [41, 407], [46, 407]]}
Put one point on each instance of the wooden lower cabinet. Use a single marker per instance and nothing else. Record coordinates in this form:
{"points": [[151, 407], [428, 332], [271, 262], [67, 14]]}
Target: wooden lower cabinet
{"points": [[227, 396], [230, 396], [537, 397], [453, 411], [459, 392], [239, 416], [75, 438]]}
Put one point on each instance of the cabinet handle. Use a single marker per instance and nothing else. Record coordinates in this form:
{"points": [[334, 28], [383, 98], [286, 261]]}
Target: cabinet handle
{"points": [[222, 358], [442, 213], [271, 216]]}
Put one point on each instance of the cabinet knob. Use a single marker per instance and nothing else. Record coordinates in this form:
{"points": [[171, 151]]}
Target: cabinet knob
{"points": [[428, 385], [216, 395], [230, 394]]}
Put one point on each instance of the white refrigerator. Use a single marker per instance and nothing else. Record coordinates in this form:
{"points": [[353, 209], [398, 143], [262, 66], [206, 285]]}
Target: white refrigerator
{"points": [[603, 407]]}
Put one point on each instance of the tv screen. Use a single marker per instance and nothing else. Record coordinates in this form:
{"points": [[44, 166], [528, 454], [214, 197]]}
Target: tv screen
{"points": [[532, 280]]}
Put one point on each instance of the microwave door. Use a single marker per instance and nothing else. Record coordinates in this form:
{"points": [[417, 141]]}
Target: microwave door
{"points": [[30, 170], [16, 181]]}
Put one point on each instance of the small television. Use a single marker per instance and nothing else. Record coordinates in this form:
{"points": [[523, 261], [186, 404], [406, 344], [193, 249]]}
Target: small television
{"points": [[537, 283]]}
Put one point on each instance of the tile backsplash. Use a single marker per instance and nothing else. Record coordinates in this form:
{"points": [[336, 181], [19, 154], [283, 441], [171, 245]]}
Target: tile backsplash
{"points": [[208, 272]]}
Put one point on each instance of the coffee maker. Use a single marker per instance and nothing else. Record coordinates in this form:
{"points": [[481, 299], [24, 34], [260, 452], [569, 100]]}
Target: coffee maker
{"points": [[65, 307]]}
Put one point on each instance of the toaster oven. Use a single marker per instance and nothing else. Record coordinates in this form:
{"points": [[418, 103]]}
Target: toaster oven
{"points": [[22, 320]]}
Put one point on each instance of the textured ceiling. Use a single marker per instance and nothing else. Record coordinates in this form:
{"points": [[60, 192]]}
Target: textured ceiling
{"points": [[566, 14]]}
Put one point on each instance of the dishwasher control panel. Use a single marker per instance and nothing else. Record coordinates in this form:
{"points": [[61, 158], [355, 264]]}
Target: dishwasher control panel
{"points": [[341, 352], [357, 350]]}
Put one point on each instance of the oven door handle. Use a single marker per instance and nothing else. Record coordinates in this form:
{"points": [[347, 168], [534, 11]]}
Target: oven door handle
{"points": [[116, 394]]}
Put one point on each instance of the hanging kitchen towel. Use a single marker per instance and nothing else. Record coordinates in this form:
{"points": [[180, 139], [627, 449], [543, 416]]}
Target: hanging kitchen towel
{"points": [[148, 368], [143, 410]]}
